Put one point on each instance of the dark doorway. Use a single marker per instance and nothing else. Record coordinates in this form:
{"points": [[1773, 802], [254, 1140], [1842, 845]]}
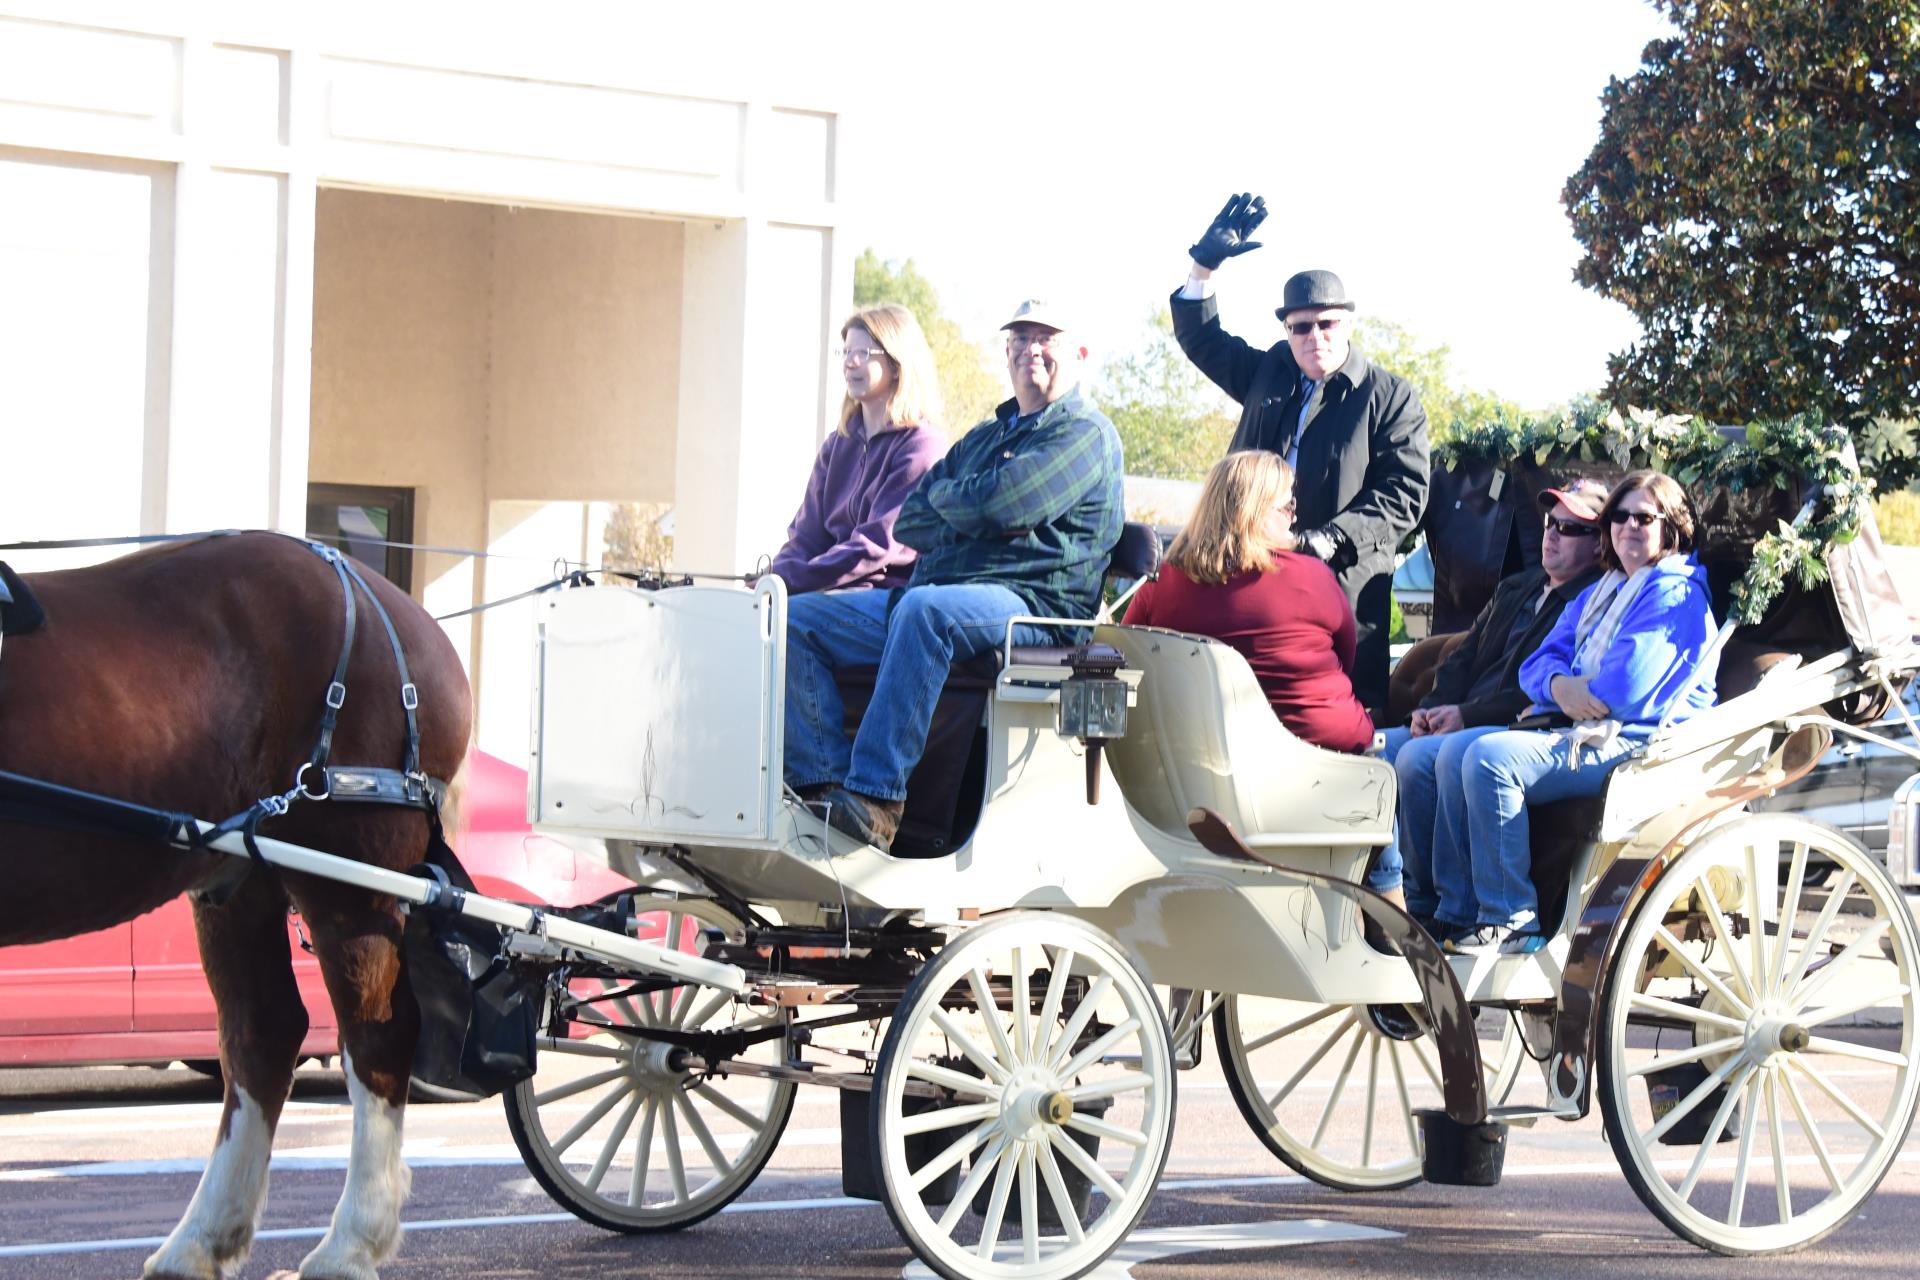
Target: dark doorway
{"points": [[358, 518]]}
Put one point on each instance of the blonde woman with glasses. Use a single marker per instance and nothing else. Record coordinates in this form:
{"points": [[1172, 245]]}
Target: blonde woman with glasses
{"points": [[889, 435], [1233, 574]]}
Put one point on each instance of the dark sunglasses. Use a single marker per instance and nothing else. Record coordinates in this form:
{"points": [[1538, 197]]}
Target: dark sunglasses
{"points": [[1641, 518], [1301, 328], [1572, 528]]}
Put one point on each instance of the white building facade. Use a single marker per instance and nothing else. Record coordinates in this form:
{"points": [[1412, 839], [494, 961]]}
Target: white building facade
{"points": [[475, 282]]}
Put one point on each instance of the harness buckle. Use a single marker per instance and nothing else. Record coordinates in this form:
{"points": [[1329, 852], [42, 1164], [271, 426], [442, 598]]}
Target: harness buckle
{"points": [[336, 695], [409, 696]]}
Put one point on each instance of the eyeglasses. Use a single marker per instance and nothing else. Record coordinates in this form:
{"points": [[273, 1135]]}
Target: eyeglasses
{"points": [[1021, 341], [1572, 528], [1301, 328], [1641, 518], [861, 355]]}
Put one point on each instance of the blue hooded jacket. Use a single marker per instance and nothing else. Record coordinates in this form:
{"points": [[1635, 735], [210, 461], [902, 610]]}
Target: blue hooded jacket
{"points": [[1666, 629]]}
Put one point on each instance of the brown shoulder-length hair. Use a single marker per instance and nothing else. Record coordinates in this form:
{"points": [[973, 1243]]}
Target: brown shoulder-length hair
{"points": [[1668, 498], [916, 387], [1227, 535]]}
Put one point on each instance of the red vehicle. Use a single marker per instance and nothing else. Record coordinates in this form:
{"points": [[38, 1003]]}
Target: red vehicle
{"points": [[135, 993]]}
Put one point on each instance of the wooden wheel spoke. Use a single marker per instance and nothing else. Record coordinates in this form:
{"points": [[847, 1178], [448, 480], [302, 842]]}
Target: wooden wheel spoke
{"points": [[1749, 1121], [1112, 1086], [1313, 1060], [956, 1152], [1864, 1053], [1086, 1164], [1339, 1087], [972, 1049], [1097, 1050], [676, 1162], [1869, 937], [1085, 1123], [642, 1156], [1029, 1207], [990, 1014], [997, 1202], [1730, 1044], [1827, 1013], [1020, 998], [713, 1097], [608, 1149], [1062, 1045], [1706, 977], [1812, 1130], [1687, 1012], [1715, 1128], [1057, 1192], [702, 1134], [584, 1084], [947, 1078], [1406, 1100], [971, 1184], [1789, 911], [1717, 921], [1050, 1004], [1777, 1140], [1818, 933], [1301, 1024], [587, 1121], [1685, 1106], [1798, 1062], [947, 1118], [1373, 1099]]}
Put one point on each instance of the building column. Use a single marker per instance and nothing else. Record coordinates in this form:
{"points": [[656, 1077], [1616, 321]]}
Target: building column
{"points": [[757, 390]]}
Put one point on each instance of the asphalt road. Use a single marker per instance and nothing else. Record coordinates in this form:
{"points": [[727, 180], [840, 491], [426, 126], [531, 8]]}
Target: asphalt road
{"points": [[98, 1164]]}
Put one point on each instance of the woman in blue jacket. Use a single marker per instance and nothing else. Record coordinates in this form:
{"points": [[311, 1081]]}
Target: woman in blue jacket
{"points": [[1623, 652]]}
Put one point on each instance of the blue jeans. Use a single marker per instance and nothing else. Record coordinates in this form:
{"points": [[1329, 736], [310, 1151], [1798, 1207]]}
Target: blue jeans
{"points": [[1430, 881], [927, 630], [1499, 775], [1389, 869]]}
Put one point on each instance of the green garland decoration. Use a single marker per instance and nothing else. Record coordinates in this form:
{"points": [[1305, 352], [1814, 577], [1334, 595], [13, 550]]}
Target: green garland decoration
{"points": [[1774, 454]]}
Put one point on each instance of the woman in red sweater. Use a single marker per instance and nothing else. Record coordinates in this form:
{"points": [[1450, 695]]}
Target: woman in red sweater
{"points": [[1233, 574]]}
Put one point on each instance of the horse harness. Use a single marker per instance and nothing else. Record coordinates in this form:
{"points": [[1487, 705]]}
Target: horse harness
{"points": [[26, 799]]}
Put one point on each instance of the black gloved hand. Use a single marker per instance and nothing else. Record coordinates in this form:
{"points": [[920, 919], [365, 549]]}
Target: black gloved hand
{"points": [[1227, 237]]}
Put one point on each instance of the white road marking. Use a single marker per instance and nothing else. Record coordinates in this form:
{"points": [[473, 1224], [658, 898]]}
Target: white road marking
{"points": [[1157, 1243], [777, 1206]]}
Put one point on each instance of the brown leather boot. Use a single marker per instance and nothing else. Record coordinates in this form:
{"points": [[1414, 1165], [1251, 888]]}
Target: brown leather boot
{"points": [[867, 819]]}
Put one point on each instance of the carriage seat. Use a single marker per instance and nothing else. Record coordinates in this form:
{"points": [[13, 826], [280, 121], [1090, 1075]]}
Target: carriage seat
{"points": [[1202, 733], [947, 787]]}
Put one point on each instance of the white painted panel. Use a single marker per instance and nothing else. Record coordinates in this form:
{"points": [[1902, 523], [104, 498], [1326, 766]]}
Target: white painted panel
{"points": [[77, 68], [220, 431], [656, 712], [795, 160], [239, 94], [494, 115], [75, 259]]}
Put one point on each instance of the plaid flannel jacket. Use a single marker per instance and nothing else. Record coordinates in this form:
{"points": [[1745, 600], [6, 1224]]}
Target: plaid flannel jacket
{"points": [[1035, 507]]}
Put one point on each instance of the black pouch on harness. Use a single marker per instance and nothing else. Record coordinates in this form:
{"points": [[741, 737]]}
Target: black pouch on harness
{"points": [[479, 1013]]}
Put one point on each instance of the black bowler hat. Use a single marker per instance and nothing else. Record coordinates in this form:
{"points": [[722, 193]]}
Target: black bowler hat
{"points": [[1313, 289]]}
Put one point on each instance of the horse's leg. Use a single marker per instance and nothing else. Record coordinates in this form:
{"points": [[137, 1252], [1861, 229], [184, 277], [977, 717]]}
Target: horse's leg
{"points": [[243, 946], [358, 941]]}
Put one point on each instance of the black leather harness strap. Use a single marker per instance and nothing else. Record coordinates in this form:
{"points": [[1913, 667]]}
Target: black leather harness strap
{"points": [[336, 696]]}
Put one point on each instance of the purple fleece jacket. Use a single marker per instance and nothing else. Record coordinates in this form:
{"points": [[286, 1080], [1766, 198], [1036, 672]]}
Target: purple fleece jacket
{"points": [[843, 534]]}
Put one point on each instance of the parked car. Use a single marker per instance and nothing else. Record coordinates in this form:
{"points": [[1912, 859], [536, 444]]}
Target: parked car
{"points": [[1852, 787], [135, 993]]}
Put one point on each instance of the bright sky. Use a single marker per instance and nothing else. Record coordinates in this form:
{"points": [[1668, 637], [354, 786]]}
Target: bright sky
{"points": [[1074, 151]]}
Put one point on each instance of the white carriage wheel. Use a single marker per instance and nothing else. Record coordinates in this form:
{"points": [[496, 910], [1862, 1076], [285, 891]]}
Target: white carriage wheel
{"points": [[619, 1132], [1021, 1091], [1331, 1088], [1794, 1116]]}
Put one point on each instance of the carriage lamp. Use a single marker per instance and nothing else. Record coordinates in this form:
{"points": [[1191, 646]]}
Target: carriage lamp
{"points": [[1093, 705]]}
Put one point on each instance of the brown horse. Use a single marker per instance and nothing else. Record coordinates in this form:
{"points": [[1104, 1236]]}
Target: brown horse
{"points": [[192, 678]]}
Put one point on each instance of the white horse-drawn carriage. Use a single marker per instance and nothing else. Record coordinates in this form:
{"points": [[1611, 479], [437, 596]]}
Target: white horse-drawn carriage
{"points": [[1109, 848]]}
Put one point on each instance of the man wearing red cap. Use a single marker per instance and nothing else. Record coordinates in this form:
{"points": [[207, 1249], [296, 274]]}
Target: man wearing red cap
{"points": [[1477, 689]]}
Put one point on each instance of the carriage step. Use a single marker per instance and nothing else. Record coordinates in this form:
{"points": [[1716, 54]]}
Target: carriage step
{"points": [[1525, 1116]]}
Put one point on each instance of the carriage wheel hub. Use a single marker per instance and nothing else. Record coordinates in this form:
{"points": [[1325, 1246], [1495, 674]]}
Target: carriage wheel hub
{"points": [[653, 1059], [1033, 1100]]}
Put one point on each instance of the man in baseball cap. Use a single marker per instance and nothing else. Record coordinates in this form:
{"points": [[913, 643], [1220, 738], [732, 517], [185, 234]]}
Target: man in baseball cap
{"points": [[1017, 520], [1477, 691], [1354, 434]]}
